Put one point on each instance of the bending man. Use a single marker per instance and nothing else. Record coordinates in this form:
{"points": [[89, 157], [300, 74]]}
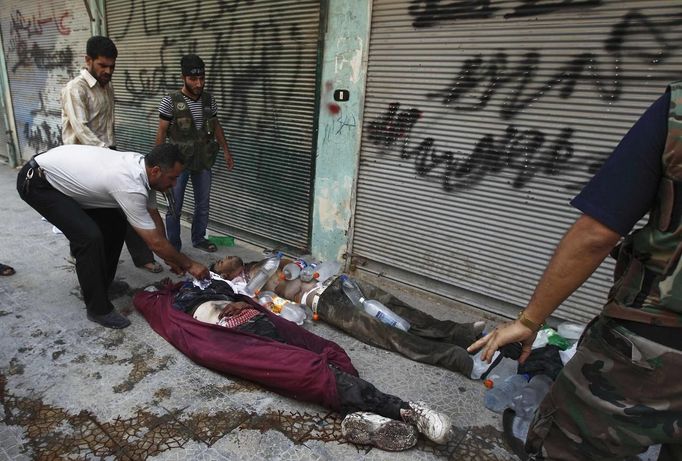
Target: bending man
{"points": [[88, 193]]}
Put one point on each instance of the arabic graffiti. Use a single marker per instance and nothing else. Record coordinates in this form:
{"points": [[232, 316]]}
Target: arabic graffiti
{"points": [[251, 63], [40, 57], [504, 85]]}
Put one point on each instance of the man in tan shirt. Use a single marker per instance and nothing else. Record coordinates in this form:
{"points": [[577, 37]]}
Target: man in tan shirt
{"points": [[88, 118]]}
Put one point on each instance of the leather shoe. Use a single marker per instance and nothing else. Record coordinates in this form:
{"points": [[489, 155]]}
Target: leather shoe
{"points": [[111, 320]]}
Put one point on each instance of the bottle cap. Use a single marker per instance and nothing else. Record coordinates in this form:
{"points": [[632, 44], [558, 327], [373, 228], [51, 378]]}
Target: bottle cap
{"points": [[316, 275], [488, 383]]}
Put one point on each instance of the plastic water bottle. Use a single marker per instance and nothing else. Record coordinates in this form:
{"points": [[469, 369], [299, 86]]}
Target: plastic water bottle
{"points": [[526, 403], [270, 300], [353, 291], [480, 366], [325, 270], [371, 306], [294, 313], [263, 274], [386, 315], [308, 273], [504, 369], [293, 270], [500, 397], [531, 395]]}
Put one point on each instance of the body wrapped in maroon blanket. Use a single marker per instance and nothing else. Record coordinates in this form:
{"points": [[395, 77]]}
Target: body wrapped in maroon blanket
{"points": [[298, 369]]}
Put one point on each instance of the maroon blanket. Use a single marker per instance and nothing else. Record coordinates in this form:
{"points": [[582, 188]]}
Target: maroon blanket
{"points": [[298, 369]]}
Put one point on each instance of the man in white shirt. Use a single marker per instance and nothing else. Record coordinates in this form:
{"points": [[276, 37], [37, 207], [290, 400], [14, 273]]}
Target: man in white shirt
{"points": [[88, 118], [88, 193]]}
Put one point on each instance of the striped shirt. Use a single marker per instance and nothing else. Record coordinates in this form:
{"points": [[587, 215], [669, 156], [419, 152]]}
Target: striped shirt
{"points": [[166, 109]]}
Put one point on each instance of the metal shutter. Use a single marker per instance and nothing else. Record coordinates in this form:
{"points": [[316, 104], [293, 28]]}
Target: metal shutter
{"points": [[44, 46], [482, 120], [261, 59]]}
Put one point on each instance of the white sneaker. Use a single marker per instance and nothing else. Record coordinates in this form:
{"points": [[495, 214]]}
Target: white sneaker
{"points": [[434, 425], [365, 428]]}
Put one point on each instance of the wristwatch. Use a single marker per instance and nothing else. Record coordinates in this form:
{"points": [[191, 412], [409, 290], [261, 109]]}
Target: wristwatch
{"points": [[526, 322]]}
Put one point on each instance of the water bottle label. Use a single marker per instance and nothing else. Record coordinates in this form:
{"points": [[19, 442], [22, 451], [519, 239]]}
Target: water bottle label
{"points": [[384, 318], [301, 263]]}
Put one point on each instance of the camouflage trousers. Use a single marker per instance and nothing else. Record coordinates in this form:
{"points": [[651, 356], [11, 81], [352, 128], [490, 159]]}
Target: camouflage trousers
{"points": [[618, 395], [429, 340]]}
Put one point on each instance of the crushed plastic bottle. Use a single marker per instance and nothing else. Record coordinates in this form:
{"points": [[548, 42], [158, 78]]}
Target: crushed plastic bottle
{"points": [[263, 274], [505, 368], [500, 397], [526, 403], [308, 273], [531, 395]]}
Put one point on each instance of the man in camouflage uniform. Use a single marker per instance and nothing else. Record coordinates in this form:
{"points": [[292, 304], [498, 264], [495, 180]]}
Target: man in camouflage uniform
{"points": [[622, 391]]}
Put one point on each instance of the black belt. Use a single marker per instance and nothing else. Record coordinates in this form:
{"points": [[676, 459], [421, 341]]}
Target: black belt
{"points": [[33, 164], [667, 336]]}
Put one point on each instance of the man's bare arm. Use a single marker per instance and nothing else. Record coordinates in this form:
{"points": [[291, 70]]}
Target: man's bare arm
{"points": [[580, 252], [222, 142], [158, 243], [162, 131]]}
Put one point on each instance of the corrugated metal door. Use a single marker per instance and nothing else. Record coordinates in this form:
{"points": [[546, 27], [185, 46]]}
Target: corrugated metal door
{"points": [[261, 58], [44, 46], [483, 119]]}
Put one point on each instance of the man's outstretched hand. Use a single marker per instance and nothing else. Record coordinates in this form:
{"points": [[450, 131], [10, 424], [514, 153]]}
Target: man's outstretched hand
{"points": [[510, 332]]}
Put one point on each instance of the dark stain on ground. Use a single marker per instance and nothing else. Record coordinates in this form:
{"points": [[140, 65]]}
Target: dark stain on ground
{"points": [[36, 333], [144, 364], [54, 433], [15, 368], [80, 359], [24, 349], [113, 340], [59, 342], [57, 354], [161, 395], [4, 313]]}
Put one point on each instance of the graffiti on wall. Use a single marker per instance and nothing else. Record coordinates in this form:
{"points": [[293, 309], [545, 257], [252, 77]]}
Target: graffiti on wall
{"points": [[252, 65], [504, 86], [41, 58]]}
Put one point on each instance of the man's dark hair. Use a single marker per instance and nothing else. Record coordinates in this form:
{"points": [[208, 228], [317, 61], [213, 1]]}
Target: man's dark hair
{"points": [[101, 46], [164, 156], [191, 64]]}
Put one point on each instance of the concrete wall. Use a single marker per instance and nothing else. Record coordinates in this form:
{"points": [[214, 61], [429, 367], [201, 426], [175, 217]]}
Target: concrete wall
{"points": [[344, 67]]}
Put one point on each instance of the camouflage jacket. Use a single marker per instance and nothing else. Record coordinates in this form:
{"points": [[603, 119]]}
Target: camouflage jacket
{"points": [[648, 276]]}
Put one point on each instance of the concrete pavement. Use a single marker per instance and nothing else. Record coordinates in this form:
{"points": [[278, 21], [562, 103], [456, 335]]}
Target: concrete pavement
{"points": [[70, 389]]}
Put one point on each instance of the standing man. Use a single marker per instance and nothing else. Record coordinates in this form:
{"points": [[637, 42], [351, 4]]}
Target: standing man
{"points": [[88, 118], [89, 193], [189, 118], [622, 391]]}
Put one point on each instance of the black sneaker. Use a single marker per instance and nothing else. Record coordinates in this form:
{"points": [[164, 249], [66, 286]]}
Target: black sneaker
{"points": [[365, 428], [111, 320]]}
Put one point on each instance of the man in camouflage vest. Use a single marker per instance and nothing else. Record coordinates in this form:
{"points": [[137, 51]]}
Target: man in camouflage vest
{"points": [[189, 118], [622, 391]]}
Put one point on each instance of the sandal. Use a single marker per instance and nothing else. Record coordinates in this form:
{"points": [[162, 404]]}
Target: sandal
{"points": [[6, 270], [152, 267], [206, 246]]}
